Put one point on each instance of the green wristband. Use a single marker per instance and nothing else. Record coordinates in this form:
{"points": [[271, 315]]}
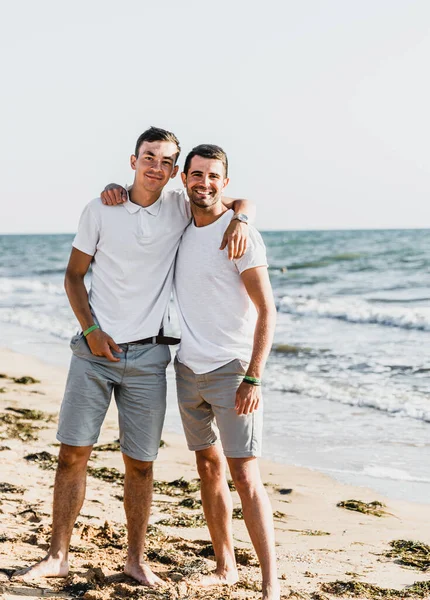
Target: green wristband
{"points": [[90, 329], [252, 380]]}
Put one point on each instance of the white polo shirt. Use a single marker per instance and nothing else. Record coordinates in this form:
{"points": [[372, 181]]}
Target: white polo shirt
{"points": [[216, 315], [134, 251]]}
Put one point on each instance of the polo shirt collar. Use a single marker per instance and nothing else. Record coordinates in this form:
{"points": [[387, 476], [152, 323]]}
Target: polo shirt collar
{"points": [[153, 209]]}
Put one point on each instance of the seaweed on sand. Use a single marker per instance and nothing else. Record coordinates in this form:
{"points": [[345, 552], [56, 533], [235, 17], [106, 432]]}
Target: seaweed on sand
{"points": [[178, 487], [43, 459], [237, 513], [351, 589], [185, 520], [109, 474], [369, 508], [110, 447], [190, 502], [9, 488], [25, 380], [30, 414], [411, 554]]}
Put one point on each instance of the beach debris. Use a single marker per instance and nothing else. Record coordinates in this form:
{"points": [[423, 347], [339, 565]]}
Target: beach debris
{"points": [[23, 431], [411, 554], [25, 380], [238, 513], [3, 448], [314, 532], [106, 536], [178, 487], [43, 459], [110, 447], [162, 444], [351, 589], [185, 520], [109, 474], [231, 485], [285, 491], [246, 558], [190, 502], [3, 376], [277, 514], [30, 414], [370, 508], [9, 488], [3, 390]]}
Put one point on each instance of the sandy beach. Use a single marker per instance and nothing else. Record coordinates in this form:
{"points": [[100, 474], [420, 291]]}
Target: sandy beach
{"points": [[324, 550]]}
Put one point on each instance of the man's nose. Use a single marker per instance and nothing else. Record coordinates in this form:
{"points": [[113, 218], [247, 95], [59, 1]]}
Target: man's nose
{"points": [[157, 164]]}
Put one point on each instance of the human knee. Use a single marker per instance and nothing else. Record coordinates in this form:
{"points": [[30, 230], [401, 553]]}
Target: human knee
{"points": [[210, 467], [246, 480], [73, 457], [137, 468]]}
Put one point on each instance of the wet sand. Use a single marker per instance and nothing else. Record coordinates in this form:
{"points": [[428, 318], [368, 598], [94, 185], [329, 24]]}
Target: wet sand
{"points": [[318, 542]]}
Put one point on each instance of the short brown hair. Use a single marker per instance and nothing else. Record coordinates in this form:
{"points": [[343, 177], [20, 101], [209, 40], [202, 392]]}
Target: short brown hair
{"points": [[155, 134], [207, 151]]}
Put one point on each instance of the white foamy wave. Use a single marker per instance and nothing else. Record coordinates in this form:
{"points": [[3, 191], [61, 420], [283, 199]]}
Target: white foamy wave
{"points": [[59, 327], [383, 398], [355, 310], [380, 472], [9, 286]]}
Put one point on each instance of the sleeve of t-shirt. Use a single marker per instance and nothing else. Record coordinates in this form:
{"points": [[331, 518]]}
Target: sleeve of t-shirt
{"points": [[255, 255], [184, 204], [88, 234]]}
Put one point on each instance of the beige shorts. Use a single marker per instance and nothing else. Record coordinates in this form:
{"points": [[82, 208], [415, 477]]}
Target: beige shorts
{"points": [[211, 397]]}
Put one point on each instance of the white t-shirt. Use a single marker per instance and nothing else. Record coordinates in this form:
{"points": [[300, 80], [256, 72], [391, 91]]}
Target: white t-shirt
{"points": [[134, 251], [216, 315]]}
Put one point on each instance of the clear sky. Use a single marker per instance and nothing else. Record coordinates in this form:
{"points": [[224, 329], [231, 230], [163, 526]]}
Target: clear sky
{"points": [[321, 105]]}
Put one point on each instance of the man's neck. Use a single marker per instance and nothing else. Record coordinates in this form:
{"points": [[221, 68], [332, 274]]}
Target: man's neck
{"points": [[206, 216], [138, 195]]}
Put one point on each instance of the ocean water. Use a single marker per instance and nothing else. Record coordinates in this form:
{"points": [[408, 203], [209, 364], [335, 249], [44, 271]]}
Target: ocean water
{"points": [[347, 385]]}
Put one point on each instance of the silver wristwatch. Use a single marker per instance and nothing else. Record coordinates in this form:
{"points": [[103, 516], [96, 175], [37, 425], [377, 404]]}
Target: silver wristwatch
{"points": [[241, 217]]}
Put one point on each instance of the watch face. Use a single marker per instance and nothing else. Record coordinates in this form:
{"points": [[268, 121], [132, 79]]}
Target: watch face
{"points": [[241, 217]]}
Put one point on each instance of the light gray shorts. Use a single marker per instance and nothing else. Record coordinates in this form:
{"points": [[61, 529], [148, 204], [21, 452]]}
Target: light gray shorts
{"points": [[211, 396], [138, 383]]}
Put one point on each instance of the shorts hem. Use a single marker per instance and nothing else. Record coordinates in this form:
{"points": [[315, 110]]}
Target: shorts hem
{"points": [[135, 456], [76, 443], [201, 446], [248, 454]]}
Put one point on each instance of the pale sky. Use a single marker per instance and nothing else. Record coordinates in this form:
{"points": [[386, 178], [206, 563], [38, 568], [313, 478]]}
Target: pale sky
{"points": [[321, 106]]}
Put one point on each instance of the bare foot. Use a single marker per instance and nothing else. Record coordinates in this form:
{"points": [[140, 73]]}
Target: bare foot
{"points": [[271, 592], [224, 578], [143, 574], [48, 567]]}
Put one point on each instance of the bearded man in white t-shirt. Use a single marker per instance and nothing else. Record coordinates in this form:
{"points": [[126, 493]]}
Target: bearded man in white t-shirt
{"points": [[227, 316], [122, 349]]}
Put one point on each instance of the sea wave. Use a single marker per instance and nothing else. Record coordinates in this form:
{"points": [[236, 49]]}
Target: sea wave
{"points": [[9, 286], [355, 310], [57, 326], [385, 398]]}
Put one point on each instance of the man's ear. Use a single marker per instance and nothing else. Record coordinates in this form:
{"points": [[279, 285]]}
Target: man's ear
{"points": [[184, 179], [133, 162], [226, 182], [174, 172]]}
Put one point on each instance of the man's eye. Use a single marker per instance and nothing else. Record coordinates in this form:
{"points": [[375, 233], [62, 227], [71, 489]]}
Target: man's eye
{"points": [[166, 162], [148, 158]]}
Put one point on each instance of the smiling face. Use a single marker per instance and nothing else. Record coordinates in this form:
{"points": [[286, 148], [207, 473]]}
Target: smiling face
{"points": [[154, 165], [205, 181]]}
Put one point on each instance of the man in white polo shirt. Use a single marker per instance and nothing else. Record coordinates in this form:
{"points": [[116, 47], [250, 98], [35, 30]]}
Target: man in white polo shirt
{"points": [[227, 316], [122, 349]]}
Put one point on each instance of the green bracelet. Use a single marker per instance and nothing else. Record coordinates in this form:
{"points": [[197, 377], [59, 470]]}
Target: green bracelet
{"points": [[90, 329], [252, 380]]}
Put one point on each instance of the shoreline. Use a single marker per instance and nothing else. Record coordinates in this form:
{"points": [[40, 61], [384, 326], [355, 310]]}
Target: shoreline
{"points": [[318, 542]]}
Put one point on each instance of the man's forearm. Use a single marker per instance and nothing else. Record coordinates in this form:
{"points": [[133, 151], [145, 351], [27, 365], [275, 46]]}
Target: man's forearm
{"points": [[263, 338], [78, 298], [241, 206]]}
